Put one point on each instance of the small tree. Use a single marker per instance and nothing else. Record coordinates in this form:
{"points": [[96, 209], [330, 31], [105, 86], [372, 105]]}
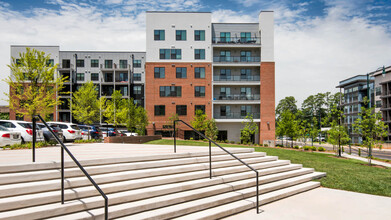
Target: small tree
{"points": [[370, 127], [250, 128], [33, 84], [338, 135], [288, 125], [141, 118], [211, 129], [85, 104], [199, 121], [113, 107]]}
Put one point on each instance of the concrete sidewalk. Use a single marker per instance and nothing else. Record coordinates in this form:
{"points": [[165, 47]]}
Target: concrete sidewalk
{"points": [[376, 162], [323, 203]]}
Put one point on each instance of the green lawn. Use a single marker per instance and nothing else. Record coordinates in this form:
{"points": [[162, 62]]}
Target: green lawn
{"points": [[344, 174]]}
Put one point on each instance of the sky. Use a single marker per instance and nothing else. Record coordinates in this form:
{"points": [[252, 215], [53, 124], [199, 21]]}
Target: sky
{"points": [[317, 43]]}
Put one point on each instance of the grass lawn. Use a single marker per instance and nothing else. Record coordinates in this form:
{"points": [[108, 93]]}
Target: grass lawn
{"points": [[344, 174]]}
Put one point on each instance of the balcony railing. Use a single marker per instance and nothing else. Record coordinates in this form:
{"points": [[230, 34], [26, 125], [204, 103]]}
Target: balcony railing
{"points": [[235, 115], [236, 40], [236, 78], [233, 59], [237, 97]]}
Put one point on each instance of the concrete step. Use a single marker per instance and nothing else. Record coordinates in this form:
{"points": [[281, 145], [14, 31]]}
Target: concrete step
{"points": [[30, 176], [12, 168], [250, 203], [181, 203], [173, 183], [50, 185]]}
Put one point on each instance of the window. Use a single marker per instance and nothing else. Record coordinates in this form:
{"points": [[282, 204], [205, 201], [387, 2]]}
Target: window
{"points": [[166, 54], [136, 63], [181, 109], [122, 77], [160, 110], [137, 90], [123, 90], [95, 63], [50, 62], [94, 76], [80, 76], [79, 63], [225, 91], [199, 107], [245, 56], [170, 91], [225, 56], [123, 64], [199, 35], [159, 72], [108, 77], [180, 35], [225, 74], [108, 64], [225, 110], [181, 72], [378, 104], [66, 63], [245, 37], [245, 91], [225, 37], [199, 72], [199, 91], [159, 35], [244, 110], [378, 91], [137, 77], [245, 74], [199, 54]]}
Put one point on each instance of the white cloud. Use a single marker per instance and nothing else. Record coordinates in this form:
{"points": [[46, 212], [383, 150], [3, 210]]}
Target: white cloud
{"points": [[230, 16]]}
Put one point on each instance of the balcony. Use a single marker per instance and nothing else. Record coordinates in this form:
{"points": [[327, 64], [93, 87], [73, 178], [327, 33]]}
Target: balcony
{"points": [[64, 66], [236, 59], [235, 115], [236, 78], [236, 40], [237, 97]]}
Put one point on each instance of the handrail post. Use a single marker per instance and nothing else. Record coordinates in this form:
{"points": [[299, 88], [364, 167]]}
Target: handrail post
{"points": [[34, 135], [257, 192], [62, 175], [174, 137], [210, 160], [106, 208]]}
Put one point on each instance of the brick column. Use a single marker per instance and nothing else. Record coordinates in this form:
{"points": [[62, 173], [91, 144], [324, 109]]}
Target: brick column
{"points": [[267, 125]]}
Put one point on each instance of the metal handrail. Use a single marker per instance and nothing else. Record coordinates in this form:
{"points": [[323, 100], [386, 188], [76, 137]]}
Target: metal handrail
{"points": [[63, 147], [210, 156]]}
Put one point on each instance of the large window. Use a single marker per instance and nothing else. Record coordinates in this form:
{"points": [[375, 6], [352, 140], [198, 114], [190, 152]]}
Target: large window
{"points": [[123, 90], [245, 74], [225, 110], [245, 37], [108, 77], [245, 110], [137, 90], [50, 62], [180, 35], [225, 74], [159, 35], [160, 110], [166, 54], [199, 35], [94, 63], [181, 109], [79, 63], [378, 91], [199, 107], [170, 91], [199, 54], [108, 64], [122, 77], [65, 63], [199, 72], [159, 72], [199, 91], [80, 76], [123, 64], [245, 56], [225, 37], [94, 76], [378, 104], [181, 72], [136, 63], [137, 77]]}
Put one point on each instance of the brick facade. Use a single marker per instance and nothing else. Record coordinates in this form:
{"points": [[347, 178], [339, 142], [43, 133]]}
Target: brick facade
{"points": [[267, 125]]}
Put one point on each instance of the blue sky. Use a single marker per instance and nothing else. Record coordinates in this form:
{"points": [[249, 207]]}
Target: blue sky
{"points": [[317, 43]]}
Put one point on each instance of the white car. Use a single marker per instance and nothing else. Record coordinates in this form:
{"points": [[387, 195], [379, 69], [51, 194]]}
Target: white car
{"points": [[70, 131], [25, 128], [8, 138]]}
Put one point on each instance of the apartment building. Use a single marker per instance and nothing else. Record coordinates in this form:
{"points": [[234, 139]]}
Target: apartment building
{"points": [[355, 90], [383, 96], [224, 69], [109, 71]]}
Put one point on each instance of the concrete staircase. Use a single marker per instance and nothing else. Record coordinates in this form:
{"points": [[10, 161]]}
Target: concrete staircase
{"points": [[151, 187]]}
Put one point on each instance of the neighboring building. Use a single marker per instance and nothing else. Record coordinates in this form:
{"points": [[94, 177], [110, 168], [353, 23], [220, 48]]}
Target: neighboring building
{"points": [[354, 90], [224, 69], [110, 71], [383, 96]]}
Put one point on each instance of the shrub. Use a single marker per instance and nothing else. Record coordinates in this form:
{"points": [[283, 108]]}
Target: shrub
{"points": [[321, 149], [232, 142], [380, 147], [225, 141], [359, 152], [88, 141], [204, 140], [313, 148], [191, 139], [238, 142], [306, 148], [265, 145], [343, 150], [296, 147]]}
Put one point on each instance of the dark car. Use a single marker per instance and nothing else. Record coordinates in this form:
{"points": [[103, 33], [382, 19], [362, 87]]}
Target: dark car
{"points": [[46, 133], [114, 132], [95, 132]]}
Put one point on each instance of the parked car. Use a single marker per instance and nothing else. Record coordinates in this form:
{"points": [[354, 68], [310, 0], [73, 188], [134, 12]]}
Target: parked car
{"points": [[25, 128], [128, 133], [46, 133], [8, 138], [112, 131], [70, 131], [95, 132]]}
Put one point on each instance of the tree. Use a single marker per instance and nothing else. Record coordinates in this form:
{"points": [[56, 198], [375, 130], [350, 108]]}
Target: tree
{"points": [[33, 84], [112, 108], [85, 104], [338, 135], [211, 130], [288, 103], [370, 126], [171, 120], [141, 118], [250, 128], [199, 121], [288, 126]]}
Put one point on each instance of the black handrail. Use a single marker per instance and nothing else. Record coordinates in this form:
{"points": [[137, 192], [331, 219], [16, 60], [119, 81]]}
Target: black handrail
{"points": [[210, 156], [63, 147]]}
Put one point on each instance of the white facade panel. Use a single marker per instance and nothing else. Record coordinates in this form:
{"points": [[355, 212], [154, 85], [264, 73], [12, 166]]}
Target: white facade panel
{"points": [[266, 26]]}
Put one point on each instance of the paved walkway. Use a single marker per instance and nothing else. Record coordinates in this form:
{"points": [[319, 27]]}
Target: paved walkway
{"points": [[323, 203]]}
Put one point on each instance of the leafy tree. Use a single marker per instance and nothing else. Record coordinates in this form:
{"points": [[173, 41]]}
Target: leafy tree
{"points": [[250, 128], [288, 126], [33, 84], [85, 104], [199, 121], [370, 126], [288, 103], [141, 118], [338, 135], [4, 116], [211, 130], [171, 120], [113, 107]]}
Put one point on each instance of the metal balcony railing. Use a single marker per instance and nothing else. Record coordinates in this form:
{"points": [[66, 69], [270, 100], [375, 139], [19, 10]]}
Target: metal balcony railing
{"points": [[236, 59], [237, 97], [236, 115], [236, 78], [236, 40]]}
